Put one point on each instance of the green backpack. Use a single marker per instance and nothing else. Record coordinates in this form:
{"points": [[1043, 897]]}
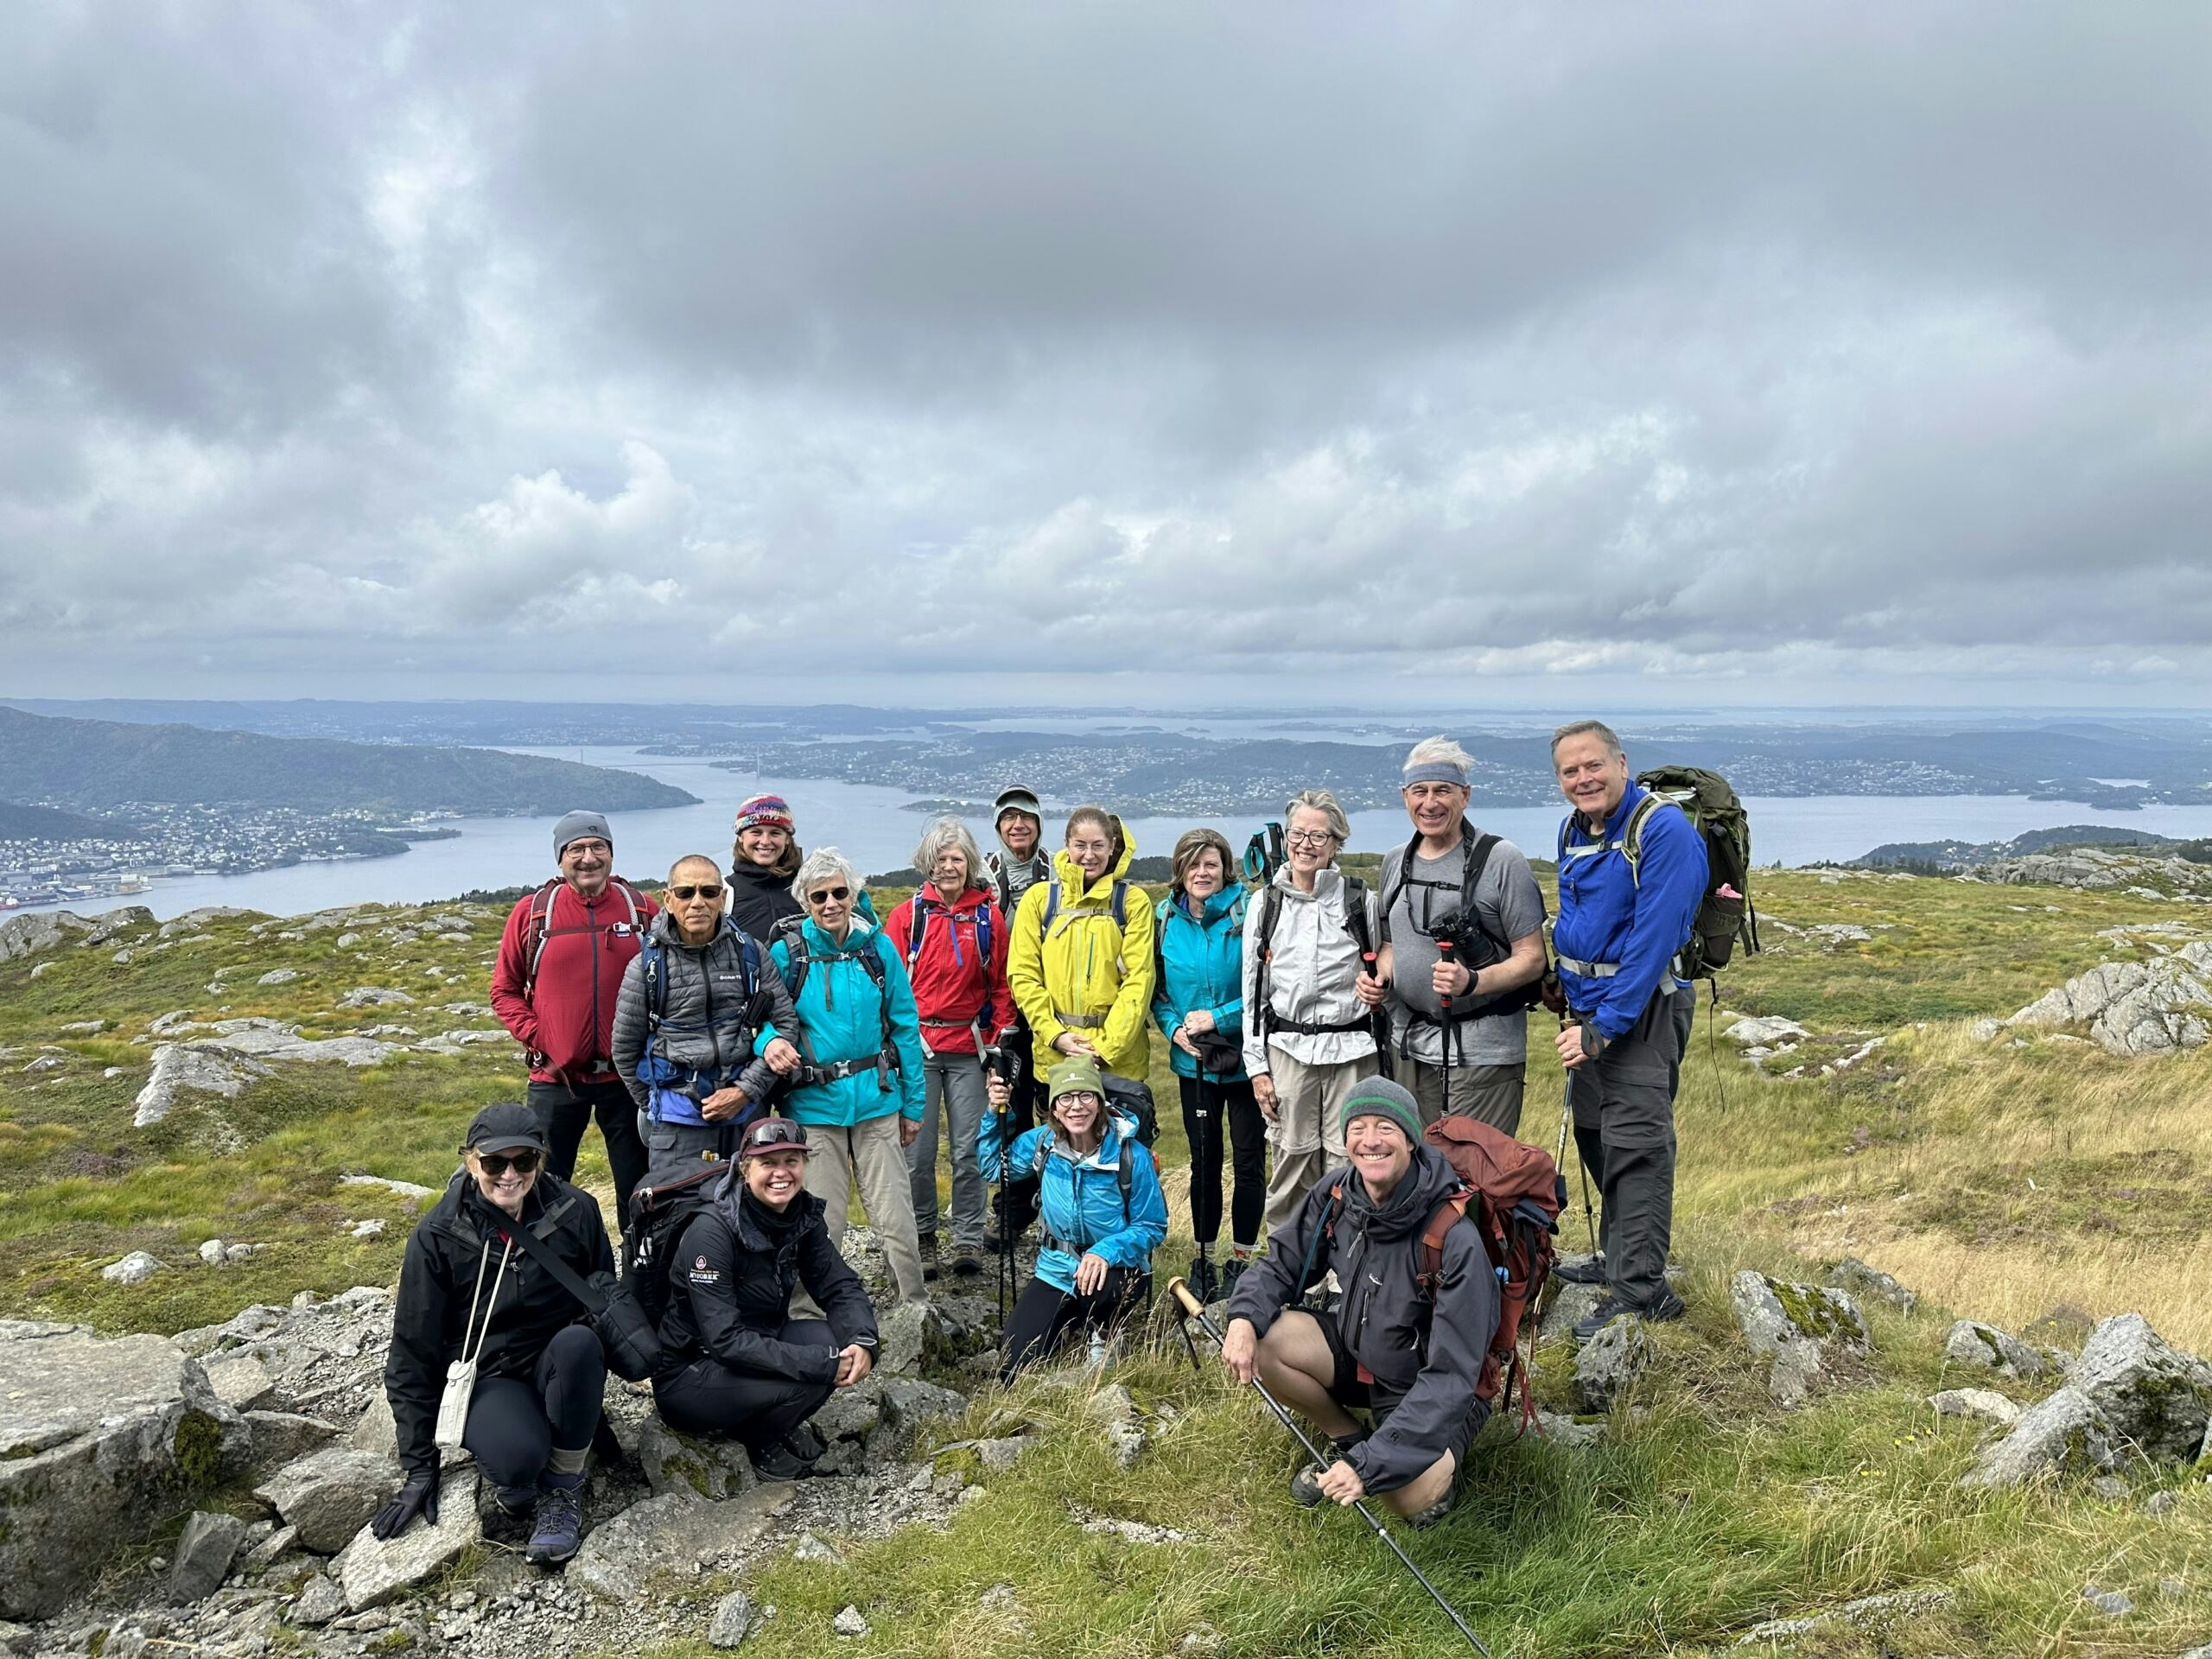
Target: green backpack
{"points": [[1725, 915]]}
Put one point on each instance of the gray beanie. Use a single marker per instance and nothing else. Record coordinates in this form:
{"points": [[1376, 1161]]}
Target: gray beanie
{"points": [[1380, 1097], [574, 826]]}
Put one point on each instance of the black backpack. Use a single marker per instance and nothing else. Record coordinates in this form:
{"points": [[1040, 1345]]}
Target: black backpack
{"points": [[1708, 801], [1130, 1097], [659, 1214], [1475, 947]]}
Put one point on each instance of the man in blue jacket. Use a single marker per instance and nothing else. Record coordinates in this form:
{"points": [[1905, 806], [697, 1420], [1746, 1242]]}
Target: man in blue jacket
{"points": [[1631, 875]]}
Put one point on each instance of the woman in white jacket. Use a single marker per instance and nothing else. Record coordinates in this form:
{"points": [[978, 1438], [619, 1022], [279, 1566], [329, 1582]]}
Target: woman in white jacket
{"points": [[1310, 997]]}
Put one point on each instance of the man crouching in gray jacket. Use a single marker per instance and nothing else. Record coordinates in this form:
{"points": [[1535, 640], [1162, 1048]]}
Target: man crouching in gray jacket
{"points": [[1410, 1360], [703, 1025]]}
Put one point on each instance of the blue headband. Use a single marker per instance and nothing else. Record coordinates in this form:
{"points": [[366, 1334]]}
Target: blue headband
{"points": [[1435, 771]]}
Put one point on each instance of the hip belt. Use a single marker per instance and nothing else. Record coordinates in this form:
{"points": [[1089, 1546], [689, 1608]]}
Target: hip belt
{"points": [[1590, 970], [1080, 1022], [813, 1077], [1316, 1028]]}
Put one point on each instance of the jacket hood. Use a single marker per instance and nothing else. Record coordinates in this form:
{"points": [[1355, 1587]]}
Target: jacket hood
{"points": [[1216, 907], [663, 931], [744, 873], [1327, 879], [969, 897], [820, 945], [1430, 1181], [729, 1200], [1077, 884]]}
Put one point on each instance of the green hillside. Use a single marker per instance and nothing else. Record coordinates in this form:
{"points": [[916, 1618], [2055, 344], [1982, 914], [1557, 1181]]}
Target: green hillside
{"points": [[2024, 1176], [19, 822], [97, 764]]}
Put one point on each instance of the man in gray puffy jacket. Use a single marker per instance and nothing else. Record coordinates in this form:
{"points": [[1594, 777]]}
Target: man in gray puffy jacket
{"points": [[1410, 1360], [686, 1047]]}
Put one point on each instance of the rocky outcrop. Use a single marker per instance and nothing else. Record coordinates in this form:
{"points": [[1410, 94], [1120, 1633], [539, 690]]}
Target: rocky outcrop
{"points": [[1983, 1405], [99, 1439], [2096, 871], [371, 1571], [235, 1056], [1611, 1361], [2135, 1007], [39, 929], [677, 1533], [2063, 1433], [329, 1495], [1855, 1276], [1802, 1326], [1986, 1348], [2130, 1394]]}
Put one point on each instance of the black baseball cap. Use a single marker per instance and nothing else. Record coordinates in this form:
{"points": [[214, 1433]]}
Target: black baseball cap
{"points": [[502, 1126], [773, 1134]]}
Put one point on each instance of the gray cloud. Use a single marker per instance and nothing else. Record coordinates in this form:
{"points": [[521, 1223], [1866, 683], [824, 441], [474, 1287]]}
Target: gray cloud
{"points": [[369, 350]]}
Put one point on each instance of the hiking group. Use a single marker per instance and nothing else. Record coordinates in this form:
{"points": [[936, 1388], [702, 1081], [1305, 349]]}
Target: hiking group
{"points": [[757, 1047]]}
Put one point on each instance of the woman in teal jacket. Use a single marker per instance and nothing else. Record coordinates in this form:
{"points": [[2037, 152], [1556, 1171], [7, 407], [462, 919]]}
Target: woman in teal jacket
{"points": [[1100, 1204], [859, 1087], [1198, 1001]]}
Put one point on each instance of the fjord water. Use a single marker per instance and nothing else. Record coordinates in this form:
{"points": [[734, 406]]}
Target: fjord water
{"points": [[870, 825]]}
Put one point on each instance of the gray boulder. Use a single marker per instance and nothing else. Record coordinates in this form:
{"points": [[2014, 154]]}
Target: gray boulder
{"points": [[374, 1570], [2153, 1397], [40, 930], [908, 1403], [1981, 1403], [732, 1622], [99, 1440], [202, 1068], [2064, 1433], [851, 1413], [375, 996], [909, 1335], [242, 1380], [1610, 1362], [330, 1495], [318, 1602], [1800, 1326], [679, 1533], [1570, 1304], [1855, 1276], [204, 1552], [697, 1466], [135, 1268], [285, 1437], [1973, 1342]]}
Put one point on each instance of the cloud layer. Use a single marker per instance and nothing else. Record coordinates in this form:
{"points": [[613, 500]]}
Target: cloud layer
{"points": [[1799, 351]]}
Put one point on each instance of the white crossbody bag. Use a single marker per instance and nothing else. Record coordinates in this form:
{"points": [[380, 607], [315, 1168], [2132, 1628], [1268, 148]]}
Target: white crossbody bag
{"points": [[461, 1375]]}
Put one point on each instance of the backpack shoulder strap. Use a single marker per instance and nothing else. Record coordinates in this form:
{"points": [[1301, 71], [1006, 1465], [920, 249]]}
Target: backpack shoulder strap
{"points": [[1632, 834], [1405, 866], [1356, 914], [748, 964], [1121, 905], [652, 962], [1448, 1215], [918, 928], [1044, 1155], [540, 928], [629, 900], [1126, 1175], [1051, 904], [797, 958]]}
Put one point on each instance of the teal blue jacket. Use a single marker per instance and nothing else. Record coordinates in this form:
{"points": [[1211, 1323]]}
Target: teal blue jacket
{"points": [[841, 1018], [1201, 966], [1079, 1200]]}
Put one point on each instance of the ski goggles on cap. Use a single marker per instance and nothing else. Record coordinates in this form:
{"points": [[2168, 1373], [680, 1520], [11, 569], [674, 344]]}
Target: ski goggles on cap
{"points": [[773, 1134]]}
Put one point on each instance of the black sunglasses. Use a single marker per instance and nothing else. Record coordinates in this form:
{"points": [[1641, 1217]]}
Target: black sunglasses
{"points": [[830, 894], [703, 891], [496, 1164]]}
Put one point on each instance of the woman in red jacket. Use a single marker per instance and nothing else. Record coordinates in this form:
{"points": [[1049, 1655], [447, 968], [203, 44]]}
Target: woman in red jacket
{"points": [[954, 938]]}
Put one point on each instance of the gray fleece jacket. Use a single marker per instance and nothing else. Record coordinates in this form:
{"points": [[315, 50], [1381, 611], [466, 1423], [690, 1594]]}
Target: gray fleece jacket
{"points": [[1431, 1355], [709, 1023]]}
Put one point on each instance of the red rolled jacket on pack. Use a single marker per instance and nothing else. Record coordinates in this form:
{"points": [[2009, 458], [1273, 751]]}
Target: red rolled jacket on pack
{"points": [[953, 983], [566, 1017]]}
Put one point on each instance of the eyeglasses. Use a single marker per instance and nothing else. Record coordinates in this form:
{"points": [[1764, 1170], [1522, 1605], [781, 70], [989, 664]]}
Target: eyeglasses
{"points": [[1076, 1097], [828, 895], [704, 891], [778, 1134], [497, 1164], [586, 844], [1311, 837]]}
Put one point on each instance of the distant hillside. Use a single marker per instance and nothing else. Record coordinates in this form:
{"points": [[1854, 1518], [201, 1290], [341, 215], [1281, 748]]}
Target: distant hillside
{"points": [[1960, 854], [45, 823], [98, 763]]}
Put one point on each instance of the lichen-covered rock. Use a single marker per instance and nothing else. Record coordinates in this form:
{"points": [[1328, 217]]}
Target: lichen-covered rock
{"points": [[733, 1620], [1570, 1305], [679, 1532], [692, 1465], [2064, 1433], [100, 1441], [1798, 1326], [908, 1403], [204, 1068], [1610, 1362], [39, 929], [1860, 1280], [330, 1495], [2154, 1396], [1973, 1342], [374, 1570], [135, 1268], [909, 1335]]}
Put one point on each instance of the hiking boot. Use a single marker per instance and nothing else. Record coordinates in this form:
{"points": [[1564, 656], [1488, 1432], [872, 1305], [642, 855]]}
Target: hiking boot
{"points": [[1205, 1279], [1231, 1271], [967, 1265], [929, 1255], [1667, 1306], [806, 1440], [779, 1462], [1306, 1487], [560, 1529], [1583, 1271], [507, 1513], [1434, 1513]]}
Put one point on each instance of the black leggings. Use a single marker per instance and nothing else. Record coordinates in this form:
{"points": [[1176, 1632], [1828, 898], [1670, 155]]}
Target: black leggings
{"points": [[707, 1397], [1248, 1139], [515, 1422], [1044, 1315]]}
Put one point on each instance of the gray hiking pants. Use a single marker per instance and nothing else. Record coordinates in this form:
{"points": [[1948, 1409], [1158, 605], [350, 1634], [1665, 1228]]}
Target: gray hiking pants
{"points": [[1623, 1104], [954, 1091]]}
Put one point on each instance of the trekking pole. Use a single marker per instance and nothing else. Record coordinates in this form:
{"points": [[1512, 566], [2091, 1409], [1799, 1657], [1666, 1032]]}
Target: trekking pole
{"points": [[1566, 1117], [1192, 1310], [1444, 955]]}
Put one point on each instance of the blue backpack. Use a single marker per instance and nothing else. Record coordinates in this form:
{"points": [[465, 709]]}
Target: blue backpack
{"points": [[655, 1069]]}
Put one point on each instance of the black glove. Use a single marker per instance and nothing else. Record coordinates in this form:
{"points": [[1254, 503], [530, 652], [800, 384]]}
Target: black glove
{"points": [[418, 1496]]}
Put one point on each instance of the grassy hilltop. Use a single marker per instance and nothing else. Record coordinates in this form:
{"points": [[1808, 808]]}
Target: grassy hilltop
{"points": [[2023, 1177]]}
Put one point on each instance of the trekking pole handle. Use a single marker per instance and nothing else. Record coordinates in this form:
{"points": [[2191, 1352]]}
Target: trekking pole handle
{"points": [[1444, 951], [1180, 1290]]}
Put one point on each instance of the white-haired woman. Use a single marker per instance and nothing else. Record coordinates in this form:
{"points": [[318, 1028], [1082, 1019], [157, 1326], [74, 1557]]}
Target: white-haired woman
{"points": [[859, 1086], [953, 939], [1311, 994]]}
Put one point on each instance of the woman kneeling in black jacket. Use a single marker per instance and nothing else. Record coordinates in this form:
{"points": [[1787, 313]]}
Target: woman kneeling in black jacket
{"points": [[467, 1290], [733, 1363]]}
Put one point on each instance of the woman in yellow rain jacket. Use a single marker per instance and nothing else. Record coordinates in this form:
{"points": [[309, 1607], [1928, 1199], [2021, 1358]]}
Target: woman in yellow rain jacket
{"points": [[1080, 965]]}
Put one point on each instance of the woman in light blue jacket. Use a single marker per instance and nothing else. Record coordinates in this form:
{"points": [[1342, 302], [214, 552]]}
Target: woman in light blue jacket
{"points": [[859, 1087], [1198, 1001], [1100, 1206]]}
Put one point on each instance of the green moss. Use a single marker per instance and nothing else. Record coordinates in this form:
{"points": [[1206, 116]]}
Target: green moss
{"points": [[1812, 1311], [198, 1447]]}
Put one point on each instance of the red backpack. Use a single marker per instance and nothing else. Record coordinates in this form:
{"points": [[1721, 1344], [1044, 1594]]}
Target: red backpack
{"points": [[1513, 1192]]}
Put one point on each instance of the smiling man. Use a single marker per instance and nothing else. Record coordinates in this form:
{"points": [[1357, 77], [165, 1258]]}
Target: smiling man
{"points": [[1410, 1359], [560, 966], [1630, 883], [1460, 1017]]}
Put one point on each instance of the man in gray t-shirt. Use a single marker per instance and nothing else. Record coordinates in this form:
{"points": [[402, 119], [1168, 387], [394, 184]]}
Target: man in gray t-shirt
{"points": [[1422, 892]]}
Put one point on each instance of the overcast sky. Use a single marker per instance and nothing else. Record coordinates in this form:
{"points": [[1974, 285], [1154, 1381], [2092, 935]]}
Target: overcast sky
{"points": [[1625, 354]]}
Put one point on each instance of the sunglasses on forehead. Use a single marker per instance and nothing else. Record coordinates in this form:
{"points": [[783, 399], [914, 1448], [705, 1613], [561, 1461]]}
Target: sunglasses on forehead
{"points": [[778, 1134], [496, 1164], [703, 890], [828, 895]]}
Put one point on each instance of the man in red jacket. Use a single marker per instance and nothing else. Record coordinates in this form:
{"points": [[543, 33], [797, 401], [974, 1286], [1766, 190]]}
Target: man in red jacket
{"points": [[559, 968]]}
